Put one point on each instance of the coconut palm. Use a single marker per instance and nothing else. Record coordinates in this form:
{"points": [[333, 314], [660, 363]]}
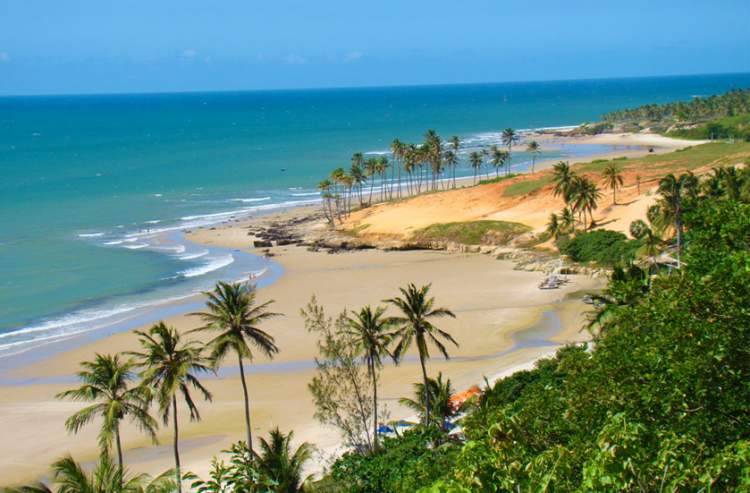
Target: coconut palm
{"points": [[439, 393], [170, 367], [498, 158], [106, 381], [585, 194], [398, 150], [651, 242], [414, 325], [451, 159], [369, 329], [382, 169], [233, 312], [553, 226], [563, 177], [567, 220], [455, 144], [106, 477], [371, 169], [278, 462], [613, 179], [534, 149], [476, 160], [675, 191], [510, 138], [357, 174], [325, 192]]}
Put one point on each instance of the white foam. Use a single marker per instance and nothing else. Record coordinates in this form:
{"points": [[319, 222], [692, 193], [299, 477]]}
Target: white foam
{"points": [[247, 201], [90, 235], [136, 246], [191, 256], [305, 194], [211, 266], [154, 221], [114, 242]]}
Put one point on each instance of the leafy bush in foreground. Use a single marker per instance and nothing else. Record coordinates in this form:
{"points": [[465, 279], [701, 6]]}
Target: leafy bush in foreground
{"points": [[660, 404]]}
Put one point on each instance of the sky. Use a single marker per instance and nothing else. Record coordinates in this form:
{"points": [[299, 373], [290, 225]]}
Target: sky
{"points": [[95, 46]]}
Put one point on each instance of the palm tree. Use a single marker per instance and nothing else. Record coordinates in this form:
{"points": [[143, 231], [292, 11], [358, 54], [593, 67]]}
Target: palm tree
{"points": [[613, 178], [475, 159], [368, 328], [106, 477], [106, 381], [451, 159], [553, 226], [585, 195], [357, 175], [415, 325], [651, 241], [232, 311], [439, 397], [325, 192], [169, 367], [498, 158], [674, 192], [371, 169], [510, 138], [382, 169], [280, 463], [567, 220], [397, 150], [563, 177], [455, 143], [534, 149]]}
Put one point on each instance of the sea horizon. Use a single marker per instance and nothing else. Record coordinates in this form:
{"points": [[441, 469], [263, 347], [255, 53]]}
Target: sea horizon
{"points": [[99, 187]]}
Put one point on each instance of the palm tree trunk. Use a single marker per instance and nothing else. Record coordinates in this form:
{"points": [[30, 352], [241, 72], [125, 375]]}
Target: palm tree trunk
{"points": [[426, 389], [119, 445], [247, 407], [374, 405], [178, 476]]}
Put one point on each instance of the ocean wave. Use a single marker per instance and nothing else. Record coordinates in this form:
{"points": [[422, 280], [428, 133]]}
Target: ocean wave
{"points": [[90, 235], [113, 242], [377, 153], [305, 194], [191, 256], [154, 221], [136, 246], [246, 201], [211, 266]]}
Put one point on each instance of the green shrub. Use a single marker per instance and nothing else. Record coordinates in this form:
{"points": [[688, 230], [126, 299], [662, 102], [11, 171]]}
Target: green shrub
{"points": [[472, 232], [602, 246]]}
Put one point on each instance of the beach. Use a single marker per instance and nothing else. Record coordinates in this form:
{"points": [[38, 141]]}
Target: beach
{"points": [[503, 323], [497, 303]]}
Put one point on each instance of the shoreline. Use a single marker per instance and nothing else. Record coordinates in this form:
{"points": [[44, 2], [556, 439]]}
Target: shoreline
{"points": [[500, 303]]}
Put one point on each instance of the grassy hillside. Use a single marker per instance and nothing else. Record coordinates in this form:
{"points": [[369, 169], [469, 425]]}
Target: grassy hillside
{"points": [[472, 232]]}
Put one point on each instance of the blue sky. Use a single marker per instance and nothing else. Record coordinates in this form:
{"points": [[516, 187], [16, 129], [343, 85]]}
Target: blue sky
{"points": [[96, 46]]}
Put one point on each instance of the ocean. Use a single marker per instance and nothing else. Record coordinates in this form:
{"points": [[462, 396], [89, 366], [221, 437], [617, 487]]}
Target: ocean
{"points": [[96, 190]]}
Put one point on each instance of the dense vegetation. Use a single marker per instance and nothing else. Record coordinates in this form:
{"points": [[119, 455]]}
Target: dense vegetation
{"points": [[472, 232], [730, 127], [660, 402], [601, 246], [696, 110]]}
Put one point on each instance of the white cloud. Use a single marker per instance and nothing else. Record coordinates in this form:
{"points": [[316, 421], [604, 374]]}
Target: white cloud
{"points": [[293, 59], [4, 57], [352, 56]]}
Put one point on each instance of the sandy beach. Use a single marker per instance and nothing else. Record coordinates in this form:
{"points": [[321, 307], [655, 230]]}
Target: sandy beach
{"points": [[497, 303], [504, 322]]}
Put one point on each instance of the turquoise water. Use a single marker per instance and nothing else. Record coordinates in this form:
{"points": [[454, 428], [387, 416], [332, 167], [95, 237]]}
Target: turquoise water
{"points": [[95, 189]]}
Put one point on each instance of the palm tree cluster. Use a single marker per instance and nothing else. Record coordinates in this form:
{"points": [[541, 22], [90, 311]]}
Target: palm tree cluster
{"points": [[697, 109], [411, 168], [581, 196], [168, 367], [378, 336]]}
